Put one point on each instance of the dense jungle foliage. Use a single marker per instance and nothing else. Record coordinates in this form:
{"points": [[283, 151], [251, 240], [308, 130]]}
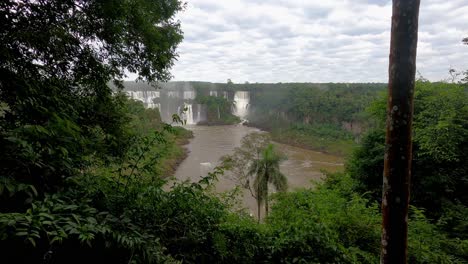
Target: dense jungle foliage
{"points": [[329, 117], [219, 110], [83, 170], [440, 142], [326, 117]]}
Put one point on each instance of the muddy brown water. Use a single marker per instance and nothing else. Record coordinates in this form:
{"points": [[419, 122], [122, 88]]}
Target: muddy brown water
{"points": [[212, 142]]}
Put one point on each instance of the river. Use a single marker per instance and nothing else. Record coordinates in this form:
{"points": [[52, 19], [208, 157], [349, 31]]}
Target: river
{"points": [[212, 142]]}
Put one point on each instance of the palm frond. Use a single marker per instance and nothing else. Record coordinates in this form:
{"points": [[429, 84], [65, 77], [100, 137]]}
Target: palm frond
{"points": [[279, 181]]}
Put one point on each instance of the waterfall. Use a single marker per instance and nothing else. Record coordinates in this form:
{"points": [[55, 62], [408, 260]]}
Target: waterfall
{"points": [[241, 99], [172, 94], [147, 97], [171, 102], [189, 95], [213, 93], [188, 114], [199, 113]]}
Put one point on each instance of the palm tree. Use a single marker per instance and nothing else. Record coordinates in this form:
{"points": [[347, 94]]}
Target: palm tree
{"points": [[266, 171]]}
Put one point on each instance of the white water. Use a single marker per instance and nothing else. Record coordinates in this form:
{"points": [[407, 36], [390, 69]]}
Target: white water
{"points": [[147, 97], [189, 95], [187, 115], [172, 94], [170, 102], [241, 99]]}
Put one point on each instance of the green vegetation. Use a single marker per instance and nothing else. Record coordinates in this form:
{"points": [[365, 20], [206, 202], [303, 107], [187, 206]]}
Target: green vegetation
{"points": [[267, 172], [82, 175], [98, 213], [255, 167], [325, 138], [328, 117], [325, 117], [219, 111], [440, 168]]}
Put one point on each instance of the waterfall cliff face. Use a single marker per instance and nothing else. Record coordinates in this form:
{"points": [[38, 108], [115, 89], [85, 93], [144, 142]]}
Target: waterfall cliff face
{"points": [[189, 95], [242, 100], [173, 99], [147, 97], [188, 114]]}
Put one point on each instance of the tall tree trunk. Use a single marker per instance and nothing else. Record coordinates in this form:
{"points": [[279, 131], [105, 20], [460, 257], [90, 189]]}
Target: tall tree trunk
{"points": [[259, 204], [267, 176], [397, 165]]}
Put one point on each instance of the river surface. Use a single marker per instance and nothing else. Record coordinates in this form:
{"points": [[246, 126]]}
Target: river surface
{"points": [[212, 142]]}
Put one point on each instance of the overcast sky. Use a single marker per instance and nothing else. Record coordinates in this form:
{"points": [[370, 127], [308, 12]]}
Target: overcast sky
{"points": [[312, 40]]}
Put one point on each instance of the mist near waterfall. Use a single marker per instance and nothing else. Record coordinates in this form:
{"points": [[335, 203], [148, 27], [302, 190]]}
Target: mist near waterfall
{"points": [[180, 98]]}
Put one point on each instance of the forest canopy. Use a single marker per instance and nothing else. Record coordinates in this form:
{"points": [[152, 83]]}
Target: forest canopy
{"points": [[84, 169]]}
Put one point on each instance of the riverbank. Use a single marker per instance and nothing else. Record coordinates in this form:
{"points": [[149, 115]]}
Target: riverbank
{"points": [[302, 168], [339, 147], [176, 152], [308, 140]]}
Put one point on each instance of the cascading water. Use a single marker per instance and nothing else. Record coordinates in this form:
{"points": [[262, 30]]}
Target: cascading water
{"points": [[172, 94], [173, 99], [150, 97], [187, 115], [189, 95], [241, 99], [147, 97]]}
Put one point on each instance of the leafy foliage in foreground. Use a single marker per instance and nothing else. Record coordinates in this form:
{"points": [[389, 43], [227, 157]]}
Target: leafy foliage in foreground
{"points": [[147, 224], [56, 60], [100, 212], [81, 176], [440, 167], [121, 212]]}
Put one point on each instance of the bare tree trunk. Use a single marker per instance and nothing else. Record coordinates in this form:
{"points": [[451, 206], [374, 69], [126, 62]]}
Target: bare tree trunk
{"points": [[397, 168], [266, 194], [258, 203]]}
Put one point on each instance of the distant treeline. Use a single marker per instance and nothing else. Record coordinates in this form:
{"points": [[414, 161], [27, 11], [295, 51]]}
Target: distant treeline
{"points": [[328, 117], [323, 116], [308, 103]]}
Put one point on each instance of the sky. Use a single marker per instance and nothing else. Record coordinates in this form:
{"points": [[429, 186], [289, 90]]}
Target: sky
{"points": [[312, 40]]}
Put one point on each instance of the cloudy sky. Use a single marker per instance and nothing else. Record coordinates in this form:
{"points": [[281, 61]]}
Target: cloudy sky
{"points": [[312, 40]]}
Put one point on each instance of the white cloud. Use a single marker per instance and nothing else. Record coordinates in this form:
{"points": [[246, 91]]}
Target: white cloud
{"points": [[312, 41]]}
